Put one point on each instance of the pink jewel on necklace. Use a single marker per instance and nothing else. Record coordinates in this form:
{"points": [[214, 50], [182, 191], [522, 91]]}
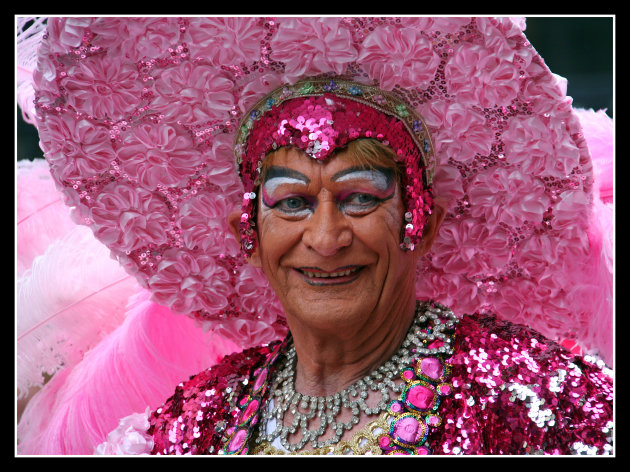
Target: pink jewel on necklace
{"points": [[384, 442], [444, 389], [396, 407], [420, 396], [250, 411], [433, 420], [260, 380], [237, 441], [431, 367], [408, 430], [408, 374]]}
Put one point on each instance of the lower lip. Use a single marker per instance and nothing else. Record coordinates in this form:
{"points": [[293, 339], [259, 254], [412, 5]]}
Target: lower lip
{"points": [[327, 281]]}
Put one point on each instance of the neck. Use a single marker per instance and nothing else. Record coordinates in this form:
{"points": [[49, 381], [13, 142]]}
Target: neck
{"points": [[329, 362]]}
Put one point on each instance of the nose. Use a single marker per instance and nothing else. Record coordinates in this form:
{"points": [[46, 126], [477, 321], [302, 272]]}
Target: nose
{"points": [[328, 230]]}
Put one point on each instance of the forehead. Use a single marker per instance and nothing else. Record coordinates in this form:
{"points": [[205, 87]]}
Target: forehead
{"points": [[294, 162], [342, 165]]}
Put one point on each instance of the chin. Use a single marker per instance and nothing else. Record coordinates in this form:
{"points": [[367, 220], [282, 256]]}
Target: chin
{"points": [[326, 305]]}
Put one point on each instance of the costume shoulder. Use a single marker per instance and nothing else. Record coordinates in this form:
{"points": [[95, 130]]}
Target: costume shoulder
{"points": [[193, 419], [517, 392]]}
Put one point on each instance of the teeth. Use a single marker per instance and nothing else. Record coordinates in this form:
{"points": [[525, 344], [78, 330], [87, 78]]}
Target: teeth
{"points": [[330, 274]]}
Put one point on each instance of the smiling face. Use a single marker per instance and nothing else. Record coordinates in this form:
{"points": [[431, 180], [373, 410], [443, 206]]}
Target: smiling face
{"points": [[329, 242]]}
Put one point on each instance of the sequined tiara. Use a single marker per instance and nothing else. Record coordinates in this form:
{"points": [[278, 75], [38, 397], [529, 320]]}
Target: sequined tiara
{"points": [[383, 101]]}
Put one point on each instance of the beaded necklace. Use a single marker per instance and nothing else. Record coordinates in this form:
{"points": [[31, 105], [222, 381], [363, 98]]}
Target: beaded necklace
{"points": [[418, 362]]}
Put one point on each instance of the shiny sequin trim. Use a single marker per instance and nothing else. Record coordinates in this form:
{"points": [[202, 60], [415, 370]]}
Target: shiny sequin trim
{"points": [[249, 405]]}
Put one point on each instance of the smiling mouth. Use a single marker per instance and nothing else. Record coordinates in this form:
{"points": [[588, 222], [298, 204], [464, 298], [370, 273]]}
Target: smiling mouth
{"points": [[319, 277]]}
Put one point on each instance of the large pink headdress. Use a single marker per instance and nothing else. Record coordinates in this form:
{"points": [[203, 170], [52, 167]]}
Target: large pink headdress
{"points": [[138, 118]]}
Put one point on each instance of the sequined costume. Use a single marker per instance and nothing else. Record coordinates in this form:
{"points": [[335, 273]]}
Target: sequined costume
{"points": [[138, 119], [505, 377]]}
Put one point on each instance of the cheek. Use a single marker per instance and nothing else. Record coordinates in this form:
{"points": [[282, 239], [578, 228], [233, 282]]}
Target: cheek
{"points": [[276, 236], [382, 228]]}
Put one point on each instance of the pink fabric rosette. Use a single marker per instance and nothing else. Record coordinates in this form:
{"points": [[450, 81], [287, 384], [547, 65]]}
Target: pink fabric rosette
{"points": [[323, 44], [103, 88], [76, 148], [472, 249], [187, 282], [158, 155], [509, 198], [399, 56], [144, 38], [225, 40], [204, 94], [527, 143], [454, 121], [478, 77], [128, 218], [70, 33], [202, 222]]}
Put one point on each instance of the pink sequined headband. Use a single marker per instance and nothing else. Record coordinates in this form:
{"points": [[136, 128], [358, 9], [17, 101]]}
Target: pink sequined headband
{"points": [[319, 116]]}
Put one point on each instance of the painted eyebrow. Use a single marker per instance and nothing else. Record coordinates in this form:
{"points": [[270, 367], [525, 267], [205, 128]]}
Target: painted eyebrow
{"points": [[388, 173], [278, 172]]}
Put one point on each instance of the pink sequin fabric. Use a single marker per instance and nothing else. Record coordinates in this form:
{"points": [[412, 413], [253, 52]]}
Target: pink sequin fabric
{"points": [[138, 118], [505, 390], [205, 412]]}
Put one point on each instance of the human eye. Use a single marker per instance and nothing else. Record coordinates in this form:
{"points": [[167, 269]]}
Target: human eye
{"points": [[293, 206], [359, 203]]}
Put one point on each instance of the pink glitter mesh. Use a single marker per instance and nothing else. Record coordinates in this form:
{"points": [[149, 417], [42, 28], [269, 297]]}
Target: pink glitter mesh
{"points": [[138, 116], [320, 117]]}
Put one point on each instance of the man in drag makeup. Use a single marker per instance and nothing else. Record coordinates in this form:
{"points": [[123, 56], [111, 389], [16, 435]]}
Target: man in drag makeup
{"points": [[367, 192]]}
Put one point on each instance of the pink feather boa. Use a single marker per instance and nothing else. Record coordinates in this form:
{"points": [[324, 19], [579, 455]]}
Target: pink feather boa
{"points": [[136, 366], [109, 349], [598, 130]]}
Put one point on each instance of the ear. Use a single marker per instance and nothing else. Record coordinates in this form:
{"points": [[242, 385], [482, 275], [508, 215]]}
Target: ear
{"points": [[234, 222], [432, 227]]}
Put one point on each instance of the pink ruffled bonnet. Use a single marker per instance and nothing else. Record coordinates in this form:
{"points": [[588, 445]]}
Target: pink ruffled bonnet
{"points": [[138, 119]]}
